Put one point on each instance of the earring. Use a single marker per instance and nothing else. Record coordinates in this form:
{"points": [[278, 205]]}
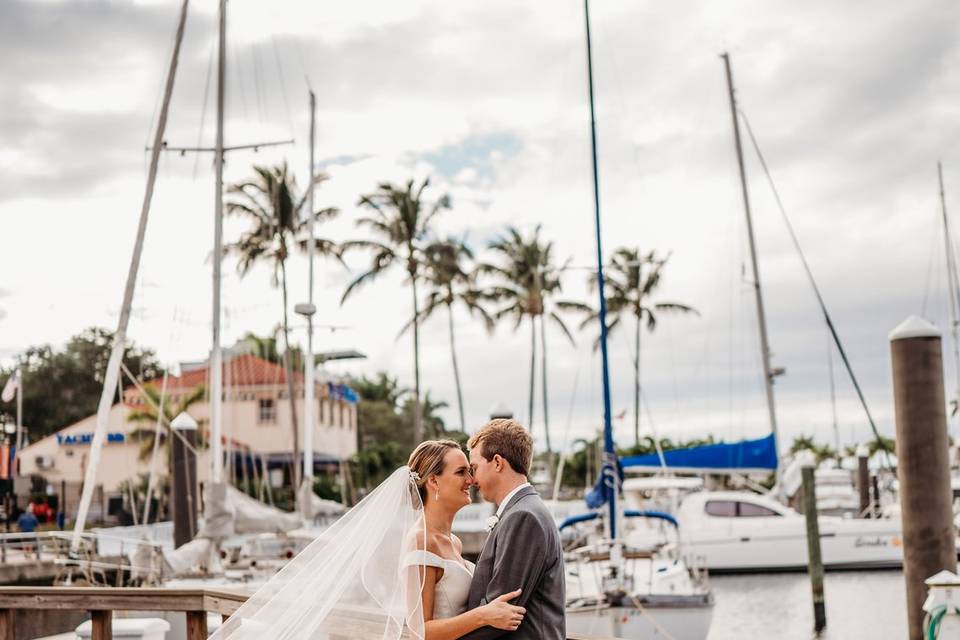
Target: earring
{"points": [[438, 495]]}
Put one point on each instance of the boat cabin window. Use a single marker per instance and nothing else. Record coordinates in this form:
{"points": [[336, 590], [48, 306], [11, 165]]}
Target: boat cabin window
{"points": [[737, 509], [721, 508], [750, 510]]}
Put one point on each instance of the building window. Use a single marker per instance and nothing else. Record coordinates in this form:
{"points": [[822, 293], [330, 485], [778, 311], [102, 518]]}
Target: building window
{"points": [[268, 411]]}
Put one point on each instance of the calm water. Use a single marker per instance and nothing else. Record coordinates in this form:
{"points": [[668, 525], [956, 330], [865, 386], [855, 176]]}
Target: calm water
{"points": [[868, 604]]}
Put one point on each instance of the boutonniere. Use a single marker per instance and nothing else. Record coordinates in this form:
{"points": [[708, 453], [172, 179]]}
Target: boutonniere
{"points": [[492, 521]]}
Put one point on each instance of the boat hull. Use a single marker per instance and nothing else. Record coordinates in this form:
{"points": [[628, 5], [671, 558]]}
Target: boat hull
{"points": [[653, 622]]}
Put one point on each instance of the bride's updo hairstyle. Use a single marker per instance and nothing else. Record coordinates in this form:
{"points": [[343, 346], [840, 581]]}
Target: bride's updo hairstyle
{"points": [[427, 460]]}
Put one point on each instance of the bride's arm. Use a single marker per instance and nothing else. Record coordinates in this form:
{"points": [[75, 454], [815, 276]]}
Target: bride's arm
{"points": [[498, 613]]}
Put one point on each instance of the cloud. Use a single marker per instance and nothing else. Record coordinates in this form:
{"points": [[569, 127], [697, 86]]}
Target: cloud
{"points": [[489, 97]]}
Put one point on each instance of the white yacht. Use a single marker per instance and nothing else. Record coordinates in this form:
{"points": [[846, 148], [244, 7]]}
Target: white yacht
{"points": [[738, 531]]}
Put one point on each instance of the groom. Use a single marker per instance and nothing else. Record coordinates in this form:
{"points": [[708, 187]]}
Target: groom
{"points": [[523, 548]]}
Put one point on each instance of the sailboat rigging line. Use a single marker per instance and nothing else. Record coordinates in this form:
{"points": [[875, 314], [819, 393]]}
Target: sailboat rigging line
{"points": [[203, 110], [610, 453], [645, 406], [257, 88], [151, 479], [283, 83], [234, 67], [566, 432], [120, 336], [816, 290], [953, 285], [926, 283], [166, 423]]}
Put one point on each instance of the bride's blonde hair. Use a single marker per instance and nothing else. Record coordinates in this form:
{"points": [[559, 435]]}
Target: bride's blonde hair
{"points": [[427, 460]]}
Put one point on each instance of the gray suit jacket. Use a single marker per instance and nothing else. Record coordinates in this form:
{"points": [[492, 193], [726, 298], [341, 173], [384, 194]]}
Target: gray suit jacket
{"points": [[523, 551]]}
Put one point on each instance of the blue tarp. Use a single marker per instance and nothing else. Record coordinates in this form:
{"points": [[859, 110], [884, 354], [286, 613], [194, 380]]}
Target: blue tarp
{"points": [[630, 513], [746, 455]]}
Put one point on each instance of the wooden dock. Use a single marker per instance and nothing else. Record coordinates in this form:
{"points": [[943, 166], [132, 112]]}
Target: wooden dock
{"points": [[102, 602]]}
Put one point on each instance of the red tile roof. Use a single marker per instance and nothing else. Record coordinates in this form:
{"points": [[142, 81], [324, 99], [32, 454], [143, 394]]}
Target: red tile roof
{"points": [[239, 371]]}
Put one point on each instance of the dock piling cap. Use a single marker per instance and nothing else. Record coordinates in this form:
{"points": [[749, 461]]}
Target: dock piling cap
{"points": [[943, 579], [914, 327], [184, 422]]}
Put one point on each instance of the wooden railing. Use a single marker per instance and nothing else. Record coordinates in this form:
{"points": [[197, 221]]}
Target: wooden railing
{"points": [[101, 602]]}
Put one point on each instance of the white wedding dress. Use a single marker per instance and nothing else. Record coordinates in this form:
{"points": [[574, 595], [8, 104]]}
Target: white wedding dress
{"points": [[452, 590], [358, 579]]}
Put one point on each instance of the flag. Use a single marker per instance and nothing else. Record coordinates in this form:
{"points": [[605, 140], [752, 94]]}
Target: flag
{"points": [[621, 415], [10, 389]]}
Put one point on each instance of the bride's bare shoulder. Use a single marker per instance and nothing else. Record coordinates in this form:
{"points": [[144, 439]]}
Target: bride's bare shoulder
{"points": [[418, 539]]}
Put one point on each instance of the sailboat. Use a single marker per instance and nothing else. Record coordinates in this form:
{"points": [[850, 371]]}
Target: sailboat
{"points": [[227, 511], [749, 531], [616, 589]]}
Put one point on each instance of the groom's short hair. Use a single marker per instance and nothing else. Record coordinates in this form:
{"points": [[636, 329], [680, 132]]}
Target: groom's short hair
{"points": [[508, 439]]}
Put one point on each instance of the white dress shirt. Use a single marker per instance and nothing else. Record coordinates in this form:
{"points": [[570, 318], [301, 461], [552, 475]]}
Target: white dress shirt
{"points": [[506, 500]]}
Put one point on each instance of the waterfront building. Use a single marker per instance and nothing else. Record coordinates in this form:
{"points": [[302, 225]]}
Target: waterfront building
{"points": [[257, 431]]}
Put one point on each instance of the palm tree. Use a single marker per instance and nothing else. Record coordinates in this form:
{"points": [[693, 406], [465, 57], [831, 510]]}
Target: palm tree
{"points": [[400, 220], [147, 416], [628, 288], [452, 282], [527, 280], [274, 207]]}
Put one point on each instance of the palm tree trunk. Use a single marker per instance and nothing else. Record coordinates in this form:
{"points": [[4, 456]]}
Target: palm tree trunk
{"points": [[546, 414], [456, 369], [533, 367], [417, 410], [636, 383], [543, 377], [288, 368]]}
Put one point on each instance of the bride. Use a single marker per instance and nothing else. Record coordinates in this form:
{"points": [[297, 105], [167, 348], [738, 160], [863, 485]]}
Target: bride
{"points": [[390, 568]]}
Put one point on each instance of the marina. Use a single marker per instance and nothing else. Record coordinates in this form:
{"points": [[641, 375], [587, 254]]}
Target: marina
{"points": [[628, 309]]}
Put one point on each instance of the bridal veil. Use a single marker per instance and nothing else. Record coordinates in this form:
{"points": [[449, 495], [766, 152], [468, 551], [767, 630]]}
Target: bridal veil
{"points": [[349, 583]]}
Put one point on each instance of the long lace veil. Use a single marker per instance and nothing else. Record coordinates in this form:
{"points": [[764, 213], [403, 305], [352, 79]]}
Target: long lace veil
{"points": [[350, 582]]}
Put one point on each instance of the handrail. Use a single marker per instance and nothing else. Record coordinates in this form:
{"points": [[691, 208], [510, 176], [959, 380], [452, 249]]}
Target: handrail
{"points": [[101, 602]]}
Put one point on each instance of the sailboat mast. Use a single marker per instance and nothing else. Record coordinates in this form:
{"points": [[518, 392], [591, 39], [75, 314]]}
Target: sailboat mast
{"points": [[761, 315], [216, 355], [609, 471], [309, 366], [952, 281], [112, 375]]}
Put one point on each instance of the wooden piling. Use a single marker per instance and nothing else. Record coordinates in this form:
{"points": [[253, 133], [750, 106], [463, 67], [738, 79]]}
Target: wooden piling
{"points": [[183, 476], [863, 485], [923, 467], [815, 560]]}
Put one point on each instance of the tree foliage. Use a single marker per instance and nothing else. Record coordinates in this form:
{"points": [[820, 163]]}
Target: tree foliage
{"points": [[62, 385], [401, 223], [385, 418]]}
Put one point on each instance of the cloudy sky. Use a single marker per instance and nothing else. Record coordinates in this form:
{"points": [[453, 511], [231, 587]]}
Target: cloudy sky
{"points": [[853, 104]]}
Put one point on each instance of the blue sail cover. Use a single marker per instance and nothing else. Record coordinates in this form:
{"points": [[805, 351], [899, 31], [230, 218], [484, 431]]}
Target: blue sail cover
{"points": [[735, 457], [609, 480]]}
